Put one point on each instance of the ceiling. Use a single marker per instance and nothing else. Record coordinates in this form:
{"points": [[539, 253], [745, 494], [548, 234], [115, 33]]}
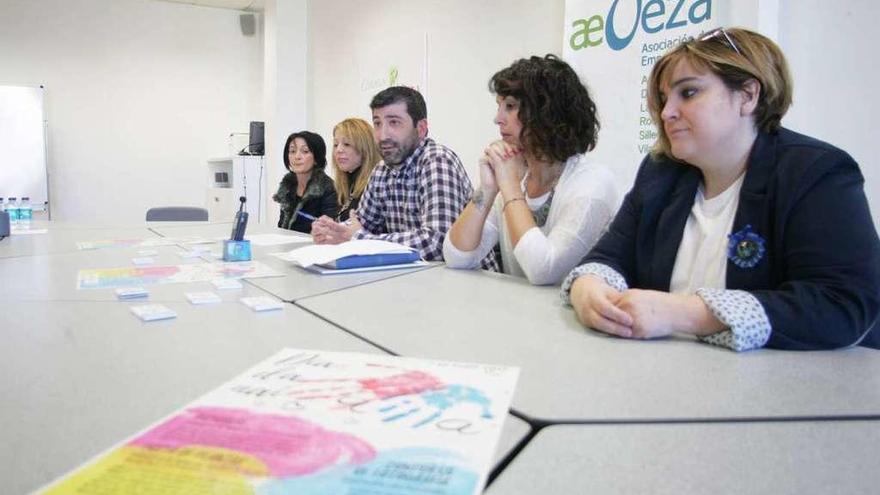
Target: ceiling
{"points": [[248, 5]]}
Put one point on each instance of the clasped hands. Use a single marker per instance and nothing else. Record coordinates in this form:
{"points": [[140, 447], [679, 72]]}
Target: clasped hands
{"points": [[639, 314], [502, 167], [327, 231]]}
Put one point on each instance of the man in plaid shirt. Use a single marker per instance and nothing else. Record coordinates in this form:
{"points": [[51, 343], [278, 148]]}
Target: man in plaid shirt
{"points": [[418, 190]]}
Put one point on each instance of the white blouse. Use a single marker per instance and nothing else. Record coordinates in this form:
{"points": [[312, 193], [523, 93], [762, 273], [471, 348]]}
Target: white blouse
{"points": [[701, 268], [584, 201], [702, 255]]}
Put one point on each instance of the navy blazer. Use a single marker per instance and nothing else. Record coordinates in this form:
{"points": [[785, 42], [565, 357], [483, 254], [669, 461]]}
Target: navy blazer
{"points": [[819, 279]]}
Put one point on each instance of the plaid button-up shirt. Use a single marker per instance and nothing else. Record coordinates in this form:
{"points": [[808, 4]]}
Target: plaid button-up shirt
{"points": [[415, 203]]}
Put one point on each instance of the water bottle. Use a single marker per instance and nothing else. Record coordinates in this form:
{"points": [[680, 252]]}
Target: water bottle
{"points": [[12, 209], [25, 213], [5, 227]]}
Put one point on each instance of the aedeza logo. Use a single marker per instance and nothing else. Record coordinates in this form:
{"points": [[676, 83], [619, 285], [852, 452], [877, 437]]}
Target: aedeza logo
{"points": [[652, 16]]}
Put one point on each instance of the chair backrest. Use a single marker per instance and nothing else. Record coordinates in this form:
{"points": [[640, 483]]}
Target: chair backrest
{"points": [[177, 214]]}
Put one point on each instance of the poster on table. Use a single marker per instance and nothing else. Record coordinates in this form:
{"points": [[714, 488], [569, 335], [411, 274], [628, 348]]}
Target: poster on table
{"points": [[140, 242], [312, 422], [129, 276], [612, 45]]}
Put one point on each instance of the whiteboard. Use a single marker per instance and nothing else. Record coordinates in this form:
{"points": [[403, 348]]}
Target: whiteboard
{"points": [[23, 145]]}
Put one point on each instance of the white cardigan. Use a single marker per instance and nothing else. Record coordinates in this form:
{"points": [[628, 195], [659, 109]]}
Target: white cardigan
{"points": [[583, 204]]}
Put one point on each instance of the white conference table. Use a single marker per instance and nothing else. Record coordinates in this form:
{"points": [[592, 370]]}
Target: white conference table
{"points": [[50, 272], [570, 373], [296, 283], [81, 376], [81, 373], [678, 459], [61, 237], [54, 276]]}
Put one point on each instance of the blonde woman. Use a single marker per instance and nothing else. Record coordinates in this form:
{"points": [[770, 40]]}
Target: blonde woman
{"points": [[354, 156], [737, 229]]}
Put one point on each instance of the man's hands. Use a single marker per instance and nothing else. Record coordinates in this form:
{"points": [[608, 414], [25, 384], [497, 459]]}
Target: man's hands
{"points": [[326, 231]]}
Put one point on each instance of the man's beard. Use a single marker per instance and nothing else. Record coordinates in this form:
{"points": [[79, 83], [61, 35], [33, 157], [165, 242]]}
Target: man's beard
{"points": [[397, 152]]}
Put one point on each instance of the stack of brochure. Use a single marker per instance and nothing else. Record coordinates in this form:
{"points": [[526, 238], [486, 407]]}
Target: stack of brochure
{"points": [[354, 256]]}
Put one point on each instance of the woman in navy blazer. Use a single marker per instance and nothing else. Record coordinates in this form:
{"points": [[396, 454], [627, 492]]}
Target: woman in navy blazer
{"points": [[736, 230]]}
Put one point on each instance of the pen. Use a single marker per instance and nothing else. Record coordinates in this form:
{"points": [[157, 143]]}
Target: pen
{"points": [[306, 216]]}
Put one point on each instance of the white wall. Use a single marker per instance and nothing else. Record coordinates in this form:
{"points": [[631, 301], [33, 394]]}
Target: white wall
{"points": [[354, 43], [139, 94], [829, 45], [285, 93], [831, 48]]}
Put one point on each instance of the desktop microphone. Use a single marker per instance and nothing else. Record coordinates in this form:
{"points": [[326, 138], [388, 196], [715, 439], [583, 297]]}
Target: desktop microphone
{"points": [[240, 223]]}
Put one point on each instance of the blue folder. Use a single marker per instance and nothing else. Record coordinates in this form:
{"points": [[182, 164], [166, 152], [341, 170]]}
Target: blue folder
{"points": [[366, 260]]}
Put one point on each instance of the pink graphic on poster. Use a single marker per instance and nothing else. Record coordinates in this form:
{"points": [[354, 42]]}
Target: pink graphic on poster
{"points": [[108, 278], [288, 446], [411, 382]]}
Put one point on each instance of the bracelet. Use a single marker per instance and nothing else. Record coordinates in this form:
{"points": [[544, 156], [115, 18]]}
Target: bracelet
{"points": [[511, 200]]}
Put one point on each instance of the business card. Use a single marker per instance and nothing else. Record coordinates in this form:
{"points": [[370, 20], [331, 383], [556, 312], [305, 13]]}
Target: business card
{"points": [[262, 303], [152, 312], [227, 283], [202, 297], [124, 293]]}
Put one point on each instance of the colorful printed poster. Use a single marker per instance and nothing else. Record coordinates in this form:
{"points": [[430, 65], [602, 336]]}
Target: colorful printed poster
{"points": [[311, 422], [127, 276]]}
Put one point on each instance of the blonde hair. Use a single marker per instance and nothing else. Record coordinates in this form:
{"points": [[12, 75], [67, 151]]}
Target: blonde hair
{"points": [[736, 56], [360, 133]]}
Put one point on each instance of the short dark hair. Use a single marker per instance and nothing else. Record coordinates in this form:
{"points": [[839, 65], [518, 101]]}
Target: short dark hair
{"points": [[315, 143], [558, 116], [415, 103]]}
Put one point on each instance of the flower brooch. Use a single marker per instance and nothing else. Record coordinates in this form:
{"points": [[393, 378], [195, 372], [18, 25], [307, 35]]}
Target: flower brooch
{"points": [[745, 248]]}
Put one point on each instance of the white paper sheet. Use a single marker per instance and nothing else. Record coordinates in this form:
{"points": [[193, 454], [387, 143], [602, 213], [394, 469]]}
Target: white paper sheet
{"points": [[277, 239]]}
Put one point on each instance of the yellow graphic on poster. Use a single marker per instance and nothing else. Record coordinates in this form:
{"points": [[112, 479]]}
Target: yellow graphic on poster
{"points": [[128, 276]]}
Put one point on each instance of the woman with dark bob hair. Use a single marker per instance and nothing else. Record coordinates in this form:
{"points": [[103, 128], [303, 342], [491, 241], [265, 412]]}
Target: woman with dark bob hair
{"points": [[737, 230], [306, 192], [554, 202]]}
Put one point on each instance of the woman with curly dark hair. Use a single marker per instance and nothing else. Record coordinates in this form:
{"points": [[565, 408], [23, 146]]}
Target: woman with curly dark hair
{"points": [[554, 202]]}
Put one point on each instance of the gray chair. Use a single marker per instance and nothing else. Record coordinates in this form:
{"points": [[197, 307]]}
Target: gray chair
{"points": [[177, 214]]}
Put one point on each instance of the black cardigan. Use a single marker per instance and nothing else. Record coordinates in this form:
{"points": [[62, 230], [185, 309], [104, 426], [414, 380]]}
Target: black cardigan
{"points": [[319, 199]]}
